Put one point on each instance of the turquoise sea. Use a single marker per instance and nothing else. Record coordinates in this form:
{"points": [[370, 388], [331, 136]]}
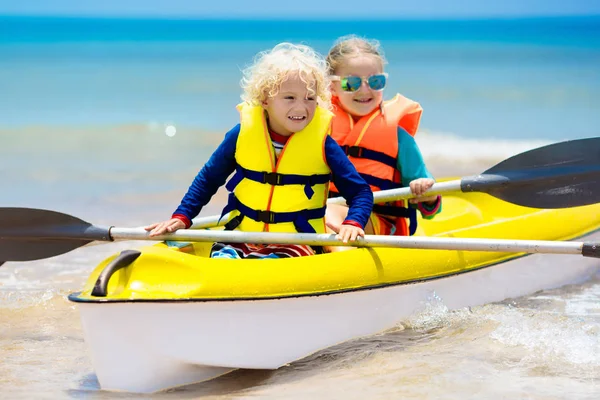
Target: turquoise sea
{"points": [[528, 78], [85, 108]]}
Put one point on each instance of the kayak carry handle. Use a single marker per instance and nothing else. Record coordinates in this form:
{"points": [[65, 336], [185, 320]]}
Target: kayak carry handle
{"points": [[124, 258]]}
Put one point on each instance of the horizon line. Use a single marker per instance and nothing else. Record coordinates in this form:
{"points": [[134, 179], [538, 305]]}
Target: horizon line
{"points": [[482, 17]]}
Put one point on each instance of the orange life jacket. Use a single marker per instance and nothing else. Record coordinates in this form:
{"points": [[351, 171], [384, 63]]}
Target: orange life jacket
{"points": [[371, 143]]}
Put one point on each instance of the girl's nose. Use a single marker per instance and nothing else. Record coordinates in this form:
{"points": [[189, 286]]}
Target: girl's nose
{"points": [[364, 84]]}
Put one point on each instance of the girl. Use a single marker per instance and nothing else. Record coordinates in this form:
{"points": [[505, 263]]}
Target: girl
{"points": [[377, 136], [283, 159]]}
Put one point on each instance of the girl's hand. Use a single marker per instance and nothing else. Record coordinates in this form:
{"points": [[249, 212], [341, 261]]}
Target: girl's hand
{"points": [[161, 228], [349, 232], [418, 187]]}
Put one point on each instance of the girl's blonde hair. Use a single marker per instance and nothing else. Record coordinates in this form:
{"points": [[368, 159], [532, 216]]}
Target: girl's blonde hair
{"points": [[351, 46], [271, 68]]}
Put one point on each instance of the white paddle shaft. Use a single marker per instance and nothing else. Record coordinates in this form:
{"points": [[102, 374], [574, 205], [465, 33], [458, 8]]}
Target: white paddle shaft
{"points": [[382, 196], [415, 242]]}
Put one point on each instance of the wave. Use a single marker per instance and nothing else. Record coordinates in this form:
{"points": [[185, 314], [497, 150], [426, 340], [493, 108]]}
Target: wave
{"points": [[449, 152]]}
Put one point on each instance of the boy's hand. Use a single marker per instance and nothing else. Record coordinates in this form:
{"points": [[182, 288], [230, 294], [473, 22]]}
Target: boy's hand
{"points": [[418, 187], [161, 228], [349, 232]]}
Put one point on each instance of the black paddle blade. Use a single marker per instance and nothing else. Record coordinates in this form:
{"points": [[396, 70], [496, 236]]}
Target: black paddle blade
{"points": [[30, 234], [36, 249], [559, 175]]}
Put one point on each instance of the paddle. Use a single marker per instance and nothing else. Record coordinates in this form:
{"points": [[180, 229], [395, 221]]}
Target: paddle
{"points": [[560, 175], [36, 234]]}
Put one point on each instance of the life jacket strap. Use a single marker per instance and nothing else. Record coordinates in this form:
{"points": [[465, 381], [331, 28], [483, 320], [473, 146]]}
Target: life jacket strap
{"points": [[277, 179], [234, 222], [392, 211], [397, 211], [380, 183], [363, 152], [298, 218]]}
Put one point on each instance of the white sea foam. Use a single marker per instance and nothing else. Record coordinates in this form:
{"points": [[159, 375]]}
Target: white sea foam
{"points": [[440, 148]]}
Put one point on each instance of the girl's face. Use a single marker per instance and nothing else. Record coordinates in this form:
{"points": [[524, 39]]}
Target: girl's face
{"points": [[364, 100]]}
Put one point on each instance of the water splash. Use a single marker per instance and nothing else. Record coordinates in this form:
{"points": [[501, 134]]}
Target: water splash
{"points": [[555, 326]]}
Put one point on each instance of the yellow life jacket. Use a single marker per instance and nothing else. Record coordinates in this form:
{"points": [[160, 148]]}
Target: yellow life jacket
{"points": [[284, 194]]}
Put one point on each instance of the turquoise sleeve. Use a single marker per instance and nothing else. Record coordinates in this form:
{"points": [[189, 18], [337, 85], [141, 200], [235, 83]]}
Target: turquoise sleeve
{"points": [[411, 165], [410, 160]]}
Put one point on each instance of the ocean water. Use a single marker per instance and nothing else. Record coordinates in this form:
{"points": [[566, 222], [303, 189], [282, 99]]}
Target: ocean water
{"points": [[477, 79], [88, 108]]}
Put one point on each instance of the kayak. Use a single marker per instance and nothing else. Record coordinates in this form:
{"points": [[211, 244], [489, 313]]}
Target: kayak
{"points": [[166, 315]]}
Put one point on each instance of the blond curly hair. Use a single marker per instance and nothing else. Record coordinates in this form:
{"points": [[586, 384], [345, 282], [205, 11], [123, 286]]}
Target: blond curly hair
{"points": [[271, 68], [352, 46]]}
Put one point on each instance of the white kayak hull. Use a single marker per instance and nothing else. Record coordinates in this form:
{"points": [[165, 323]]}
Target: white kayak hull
{"points": [[149, 346]]}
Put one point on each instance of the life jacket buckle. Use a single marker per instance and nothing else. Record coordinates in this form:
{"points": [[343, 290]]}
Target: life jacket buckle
{"points": [[272, 178], [355, 151], [266, 217]]}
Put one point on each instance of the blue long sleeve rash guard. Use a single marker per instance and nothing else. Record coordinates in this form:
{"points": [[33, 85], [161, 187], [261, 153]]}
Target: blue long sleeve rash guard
{"points": [[222, 164]]}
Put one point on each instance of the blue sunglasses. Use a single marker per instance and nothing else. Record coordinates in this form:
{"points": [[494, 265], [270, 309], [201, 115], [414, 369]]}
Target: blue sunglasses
{"points": [[352, 83]]}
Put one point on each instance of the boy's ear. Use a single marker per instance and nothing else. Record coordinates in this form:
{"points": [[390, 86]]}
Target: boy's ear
{"points": [[265, 99]]}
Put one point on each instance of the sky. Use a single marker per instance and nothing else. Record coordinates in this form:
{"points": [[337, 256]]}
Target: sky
{"points": [[316, 9]]}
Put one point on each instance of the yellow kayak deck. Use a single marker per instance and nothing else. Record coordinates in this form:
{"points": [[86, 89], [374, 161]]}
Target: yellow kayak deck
{"points": [[186, 273]]}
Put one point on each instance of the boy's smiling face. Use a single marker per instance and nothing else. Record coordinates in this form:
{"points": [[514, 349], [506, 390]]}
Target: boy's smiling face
{"points": [[292, 108]]}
